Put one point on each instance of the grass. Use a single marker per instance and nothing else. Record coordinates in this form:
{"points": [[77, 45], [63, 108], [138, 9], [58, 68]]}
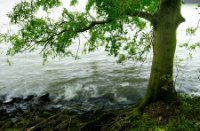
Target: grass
{"points": [[182, 116]]}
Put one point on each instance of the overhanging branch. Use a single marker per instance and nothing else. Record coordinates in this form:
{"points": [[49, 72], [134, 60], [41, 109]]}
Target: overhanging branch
{"points": [[89, 26], [144, 15], [92, 24], [81, 30]]}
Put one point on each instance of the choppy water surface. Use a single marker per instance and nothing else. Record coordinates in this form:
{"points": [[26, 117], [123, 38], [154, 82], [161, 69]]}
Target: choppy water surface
{"points": [[94, 74]]}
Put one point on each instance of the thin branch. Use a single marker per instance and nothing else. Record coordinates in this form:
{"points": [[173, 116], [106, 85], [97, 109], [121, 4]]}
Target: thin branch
{"points": [[93, 18], [90, 26], [144, 15], [78, 48]]}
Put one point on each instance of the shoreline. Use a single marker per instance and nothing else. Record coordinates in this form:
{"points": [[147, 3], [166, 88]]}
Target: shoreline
{"points": [[184, 115]]}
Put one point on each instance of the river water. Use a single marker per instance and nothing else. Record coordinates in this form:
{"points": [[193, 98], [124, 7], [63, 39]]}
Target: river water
{"points": [[95, 74]]}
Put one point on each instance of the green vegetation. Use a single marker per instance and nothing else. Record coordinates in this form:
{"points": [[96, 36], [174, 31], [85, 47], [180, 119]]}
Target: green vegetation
{"points": [[181, 116]]}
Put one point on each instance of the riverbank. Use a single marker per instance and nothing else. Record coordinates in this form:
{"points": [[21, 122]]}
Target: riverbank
{"points": [[183, 115]]}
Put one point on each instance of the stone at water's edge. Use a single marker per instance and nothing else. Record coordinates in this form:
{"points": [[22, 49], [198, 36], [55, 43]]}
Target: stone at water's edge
{"points": [[38, 109], [29, 98], [13, 100], [44, 97], [17, 106]]}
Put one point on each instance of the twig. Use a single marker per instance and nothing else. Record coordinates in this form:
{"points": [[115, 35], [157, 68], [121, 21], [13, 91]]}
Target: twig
{"points": [[78, 49]]}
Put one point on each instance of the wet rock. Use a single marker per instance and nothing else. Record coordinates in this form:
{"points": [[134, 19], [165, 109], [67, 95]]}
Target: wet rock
{"points": [[29, 98], [55, 107], [25, 106], [2, 111], [44, 97], [1, 102], [102, 99], [3, 114], [12, 101], [8, 102], [17, 99]]}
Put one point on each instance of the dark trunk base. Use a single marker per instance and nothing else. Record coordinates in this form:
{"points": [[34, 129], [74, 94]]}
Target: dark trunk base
{"points": [[168, 97]]}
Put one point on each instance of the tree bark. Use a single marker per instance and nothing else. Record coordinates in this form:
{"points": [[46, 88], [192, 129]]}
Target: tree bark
{"points": [[165, 22]]}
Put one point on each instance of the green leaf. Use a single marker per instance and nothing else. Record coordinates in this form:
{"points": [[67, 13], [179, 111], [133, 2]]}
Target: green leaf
{"points": [[73, 2], [121, 58]]}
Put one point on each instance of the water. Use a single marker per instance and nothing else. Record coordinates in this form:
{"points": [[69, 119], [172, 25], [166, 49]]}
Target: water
{"points": [[93, 75]]}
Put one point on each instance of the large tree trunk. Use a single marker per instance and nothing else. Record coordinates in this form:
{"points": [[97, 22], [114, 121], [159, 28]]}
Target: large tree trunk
{"points": [[166, 20]]}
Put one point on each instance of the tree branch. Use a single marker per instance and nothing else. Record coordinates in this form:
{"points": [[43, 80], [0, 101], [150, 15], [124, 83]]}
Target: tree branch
{"points": [[81, 30], [90, 26], [144, 15], [94, 23]]}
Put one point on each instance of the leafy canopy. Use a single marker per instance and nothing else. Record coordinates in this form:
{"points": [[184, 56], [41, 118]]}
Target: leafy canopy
{"points": [[114, 24]]}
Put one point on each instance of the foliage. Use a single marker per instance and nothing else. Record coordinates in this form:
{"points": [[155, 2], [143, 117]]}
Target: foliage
{"points": [[110, 27], [191, 32]]}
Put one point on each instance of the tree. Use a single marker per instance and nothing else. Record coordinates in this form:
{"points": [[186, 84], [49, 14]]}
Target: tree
{"points": [[117, 25]]}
